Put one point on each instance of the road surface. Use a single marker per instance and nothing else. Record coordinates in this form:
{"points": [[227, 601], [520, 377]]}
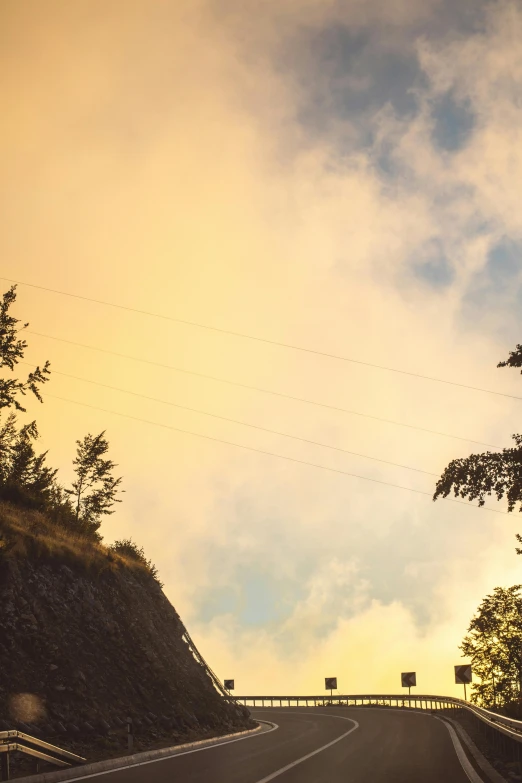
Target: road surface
{"points": [[362, 746]]}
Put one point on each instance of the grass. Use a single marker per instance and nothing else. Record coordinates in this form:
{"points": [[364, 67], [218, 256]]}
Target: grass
{"points": [[28, 534]]}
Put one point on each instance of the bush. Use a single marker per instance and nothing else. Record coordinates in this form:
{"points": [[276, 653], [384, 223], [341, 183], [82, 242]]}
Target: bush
{"points": [[129, 550]]}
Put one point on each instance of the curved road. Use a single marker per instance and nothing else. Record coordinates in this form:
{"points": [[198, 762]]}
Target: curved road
{"points": [[363, 746]]}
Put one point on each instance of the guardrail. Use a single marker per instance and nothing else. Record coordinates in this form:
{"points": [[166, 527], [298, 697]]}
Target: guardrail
{"points": [[422, 702], [11, 741], [505, 733]]}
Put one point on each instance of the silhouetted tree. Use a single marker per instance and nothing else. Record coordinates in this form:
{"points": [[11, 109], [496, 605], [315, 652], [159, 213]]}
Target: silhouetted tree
{"points": [[24, 476], [95, 489], [491, 473], [494, 645], [12, 350]]}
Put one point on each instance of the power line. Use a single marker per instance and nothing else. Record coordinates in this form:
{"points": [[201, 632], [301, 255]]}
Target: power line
{"points": [[242, 423], [258, 389], [261, 339], [266, 453]]}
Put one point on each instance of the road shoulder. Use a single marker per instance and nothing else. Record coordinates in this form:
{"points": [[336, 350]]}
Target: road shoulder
{"points": [[146, 757]]}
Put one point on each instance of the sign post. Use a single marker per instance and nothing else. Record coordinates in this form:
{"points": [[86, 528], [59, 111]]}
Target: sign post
{"points": [[408, 679], [330, 683], [463, 676], [229, 685]]}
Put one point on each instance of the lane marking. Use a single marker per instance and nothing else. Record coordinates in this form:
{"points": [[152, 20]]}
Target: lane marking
{"points": [[314, 752], [465, 763], [176, 755]]}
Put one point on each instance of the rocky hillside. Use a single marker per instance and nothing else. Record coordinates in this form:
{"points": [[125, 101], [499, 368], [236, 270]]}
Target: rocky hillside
{"points": [[86, 639]]}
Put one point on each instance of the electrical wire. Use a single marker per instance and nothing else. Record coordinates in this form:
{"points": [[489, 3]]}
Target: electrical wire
{"points": [[237, 421], [266, 453], [258, 389], [265, 340]]}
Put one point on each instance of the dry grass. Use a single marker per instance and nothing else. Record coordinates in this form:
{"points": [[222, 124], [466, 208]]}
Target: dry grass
{"points": [[28, 534]]}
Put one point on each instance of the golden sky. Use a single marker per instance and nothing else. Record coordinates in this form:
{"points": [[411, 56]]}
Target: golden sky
{"points": [[339, 176]]}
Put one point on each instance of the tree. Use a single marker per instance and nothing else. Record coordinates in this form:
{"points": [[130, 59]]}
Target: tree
{"points": [[95, 489], [24, 476], [498, 473], [494, 645], [12, 350]]}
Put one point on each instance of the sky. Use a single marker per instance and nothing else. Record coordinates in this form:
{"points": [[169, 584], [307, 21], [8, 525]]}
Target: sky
{"points": [[338, 176]]}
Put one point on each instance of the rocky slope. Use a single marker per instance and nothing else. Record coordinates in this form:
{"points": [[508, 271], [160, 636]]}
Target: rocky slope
{"points": [[86, 640]]}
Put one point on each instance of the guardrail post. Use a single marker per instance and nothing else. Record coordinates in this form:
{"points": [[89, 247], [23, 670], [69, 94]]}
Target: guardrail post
{"points": [[130, 736], [4, 765]]}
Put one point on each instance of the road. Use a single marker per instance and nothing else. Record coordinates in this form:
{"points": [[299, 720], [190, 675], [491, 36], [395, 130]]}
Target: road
{"points": [[363, 746]]}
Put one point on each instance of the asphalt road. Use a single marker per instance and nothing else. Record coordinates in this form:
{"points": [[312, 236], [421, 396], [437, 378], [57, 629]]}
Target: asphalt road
{"points": [[363, 746]]}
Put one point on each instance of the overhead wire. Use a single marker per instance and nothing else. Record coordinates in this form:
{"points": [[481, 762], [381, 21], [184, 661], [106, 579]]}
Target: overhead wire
{"points": [[267, 453], [265, 340], [260, 389], [238, 421]]}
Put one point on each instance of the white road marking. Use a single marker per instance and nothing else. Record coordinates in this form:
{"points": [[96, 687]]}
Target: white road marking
{"points": [[465, 763], [468, 768], [314, 752], [176, 755]]}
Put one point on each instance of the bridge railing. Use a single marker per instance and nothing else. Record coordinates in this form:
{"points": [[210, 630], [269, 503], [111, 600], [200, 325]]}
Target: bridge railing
{"points": [[11, 741]]}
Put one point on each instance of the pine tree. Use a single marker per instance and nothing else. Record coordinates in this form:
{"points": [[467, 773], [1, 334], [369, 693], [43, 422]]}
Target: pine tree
{"points": [[24, 476]]}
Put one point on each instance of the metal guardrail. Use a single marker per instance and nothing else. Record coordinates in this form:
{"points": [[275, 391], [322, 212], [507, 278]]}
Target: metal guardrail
{"points": [[199, 658], [508, 726], [11, 741]]}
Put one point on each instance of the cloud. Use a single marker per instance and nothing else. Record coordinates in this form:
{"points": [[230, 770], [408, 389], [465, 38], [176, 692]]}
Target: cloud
{"points": [[338, 176]]}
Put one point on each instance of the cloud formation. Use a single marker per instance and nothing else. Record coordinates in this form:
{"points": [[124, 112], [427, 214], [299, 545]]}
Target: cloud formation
{"points": [[342, 176]]}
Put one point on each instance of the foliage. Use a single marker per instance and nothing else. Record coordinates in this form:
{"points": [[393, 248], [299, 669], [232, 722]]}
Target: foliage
{"points": [[95, 489], [127, 548], [24, 476], [474, 477], [12, 350], [515, 359], [491, 473], [494, 645]]}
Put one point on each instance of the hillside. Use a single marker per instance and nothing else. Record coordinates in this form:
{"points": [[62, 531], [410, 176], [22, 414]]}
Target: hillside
{"points": [[87, 638]]}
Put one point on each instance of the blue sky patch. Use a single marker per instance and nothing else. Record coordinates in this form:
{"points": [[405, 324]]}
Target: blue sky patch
{"points": [[453, 123], [348, 76], [433, 266], [504, 263]]}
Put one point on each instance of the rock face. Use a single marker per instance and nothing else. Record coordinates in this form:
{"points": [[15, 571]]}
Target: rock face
{"points": [[80, 652]]}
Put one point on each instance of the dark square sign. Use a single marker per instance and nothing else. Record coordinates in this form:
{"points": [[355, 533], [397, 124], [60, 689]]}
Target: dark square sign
{"points": [[408, 679]]}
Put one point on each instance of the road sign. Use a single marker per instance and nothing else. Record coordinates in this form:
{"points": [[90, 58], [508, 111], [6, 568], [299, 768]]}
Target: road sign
{"points": [[463, 674], [229, 685], [330, 683], [408, 679]]}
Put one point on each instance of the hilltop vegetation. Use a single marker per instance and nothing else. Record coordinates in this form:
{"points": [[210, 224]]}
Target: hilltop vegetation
{"points": [[40, 516]]}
